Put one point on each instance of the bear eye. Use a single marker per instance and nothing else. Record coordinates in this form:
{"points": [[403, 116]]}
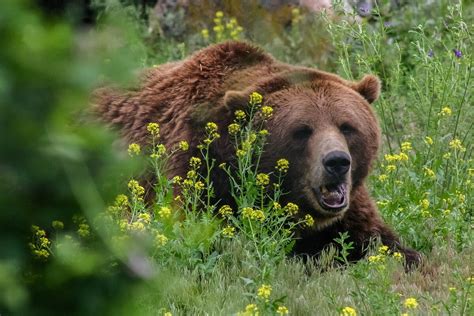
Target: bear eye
{"points": [[302, 133], [347, 129]]}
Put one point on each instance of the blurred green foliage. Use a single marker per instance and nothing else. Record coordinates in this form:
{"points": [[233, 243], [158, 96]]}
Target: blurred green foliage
{"points": [[53, 164]]}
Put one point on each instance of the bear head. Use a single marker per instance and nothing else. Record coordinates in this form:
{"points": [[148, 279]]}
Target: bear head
{"points": [[326, 128]]}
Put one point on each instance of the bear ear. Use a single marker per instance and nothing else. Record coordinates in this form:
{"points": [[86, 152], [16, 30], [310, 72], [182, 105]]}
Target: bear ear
{"points": [[368, 87], [234, 100]]}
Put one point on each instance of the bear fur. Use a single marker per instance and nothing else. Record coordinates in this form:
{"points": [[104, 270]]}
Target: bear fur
{"points": [[316, 114]]}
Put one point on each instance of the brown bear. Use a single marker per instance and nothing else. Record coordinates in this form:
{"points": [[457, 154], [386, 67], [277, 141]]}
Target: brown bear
{"points": [[322, 124]]}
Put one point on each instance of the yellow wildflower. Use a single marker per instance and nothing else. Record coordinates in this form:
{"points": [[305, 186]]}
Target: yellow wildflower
{"points": [[348, 311], [205, 33], [133, 149], [262, 179], [447, 156], [403, 157], [406, 146], [264, 291], [391, 168], [199, 185], [176, 179], [183, 145], [255, 98], [264, 132], [153, 128], [121, 200], [282, 165], [137, 190], [240, 153], [309, 221], [250, 310], [219, 14], [211, 127], [267, 112], [240, 115], [383, 178], [429, 172], [225, 210], [234, 128], [456, 144], [292, 209], [445, 111], [391, 158], [228, 231], [258, 215], [247, 212], [160, 150], [164, 212], [397, 255], [282, 310], [410, 303], [137, 226], [383, 249], [167, 314], [276, 205], [376, 259], [160, 240], [250, 213], [195, 162], [42, 254], [425, 203], [428, 140], [145, 217]]}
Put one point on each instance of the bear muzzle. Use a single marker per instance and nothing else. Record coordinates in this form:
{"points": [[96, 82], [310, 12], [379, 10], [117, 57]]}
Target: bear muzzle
{"points": [[333, 193]]}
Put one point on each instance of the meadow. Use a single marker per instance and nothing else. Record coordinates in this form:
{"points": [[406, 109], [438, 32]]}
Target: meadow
{"points": [[78, 238]]}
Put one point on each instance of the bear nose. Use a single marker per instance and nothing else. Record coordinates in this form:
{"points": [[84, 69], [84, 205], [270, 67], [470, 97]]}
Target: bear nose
{"points": [[337, 163]]}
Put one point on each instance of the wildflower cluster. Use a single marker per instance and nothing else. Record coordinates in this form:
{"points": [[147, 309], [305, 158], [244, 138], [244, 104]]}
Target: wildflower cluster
{"points": [[255, 99], [292, 209], [456, 145], [262, 179], [83, 227], [40, 245], [282, 165], [153, 129], [223, 29], [134, 149], [308, 220], [136, 190], [348, 311], [445, 111], [410, 303], [250, 310], [225, 211], [264, 292], [228, 231], [253, 214], [212, 134], [383, 253]]}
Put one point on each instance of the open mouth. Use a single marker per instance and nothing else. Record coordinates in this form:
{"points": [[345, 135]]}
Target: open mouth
{"points": [[332, 197]]}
